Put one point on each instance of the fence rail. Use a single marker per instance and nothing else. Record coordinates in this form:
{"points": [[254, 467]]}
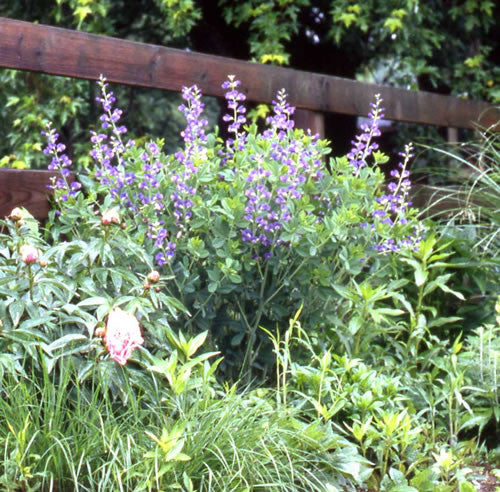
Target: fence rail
{"points": [[64, 52]]}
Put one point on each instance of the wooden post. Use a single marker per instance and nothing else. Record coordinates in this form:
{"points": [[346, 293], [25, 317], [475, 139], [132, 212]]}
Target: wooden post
{"points": [[452, 135], [310, 120]]}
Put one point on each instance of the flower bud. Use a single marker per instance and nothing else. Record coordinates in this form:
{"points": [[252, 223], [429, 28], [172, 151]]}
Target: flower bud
{"points": [[154, 277], [146, 286], [111, 216], [29, 254], [16, 214], [100, 332], [43, 262]]}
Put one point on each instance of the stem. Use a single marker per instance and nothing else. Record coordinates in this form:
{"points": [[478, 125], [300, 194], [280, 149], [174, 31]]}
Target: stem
{"points": [[174, 277], [450, 418], [30, 279], [276, 292], [253, 328], [386, 459], [414, 322]]}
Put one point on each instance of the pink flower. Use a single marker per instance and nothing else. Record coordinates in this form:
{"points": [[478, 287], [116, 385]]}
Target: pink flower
{"points": [[123, 335], [111, 216], [29, 254]]}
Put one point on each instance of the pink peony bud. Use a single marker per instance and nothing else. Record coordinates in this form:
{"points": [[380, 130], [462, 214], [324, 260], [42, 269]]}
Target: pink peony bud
{"points": [[100, 332], [111, 216], [154, 276], [16, 214], [123, 335], [29, 254]]}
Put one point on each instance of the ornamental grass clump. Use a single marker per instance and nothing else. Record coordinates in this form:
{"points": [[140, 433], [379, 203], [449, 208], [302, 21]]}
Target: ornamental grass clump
{"points": [[248, 228]]}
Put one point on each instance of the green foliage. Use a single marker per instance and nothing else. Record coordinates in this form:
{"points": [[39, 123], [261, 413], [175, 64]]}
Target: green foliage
{"points": [[405, 426], [418, 40], [65, 434], [232, 286], [480, 363], [50, 309], [365, 378], [271, 26], [472, 180], [33, 99]]}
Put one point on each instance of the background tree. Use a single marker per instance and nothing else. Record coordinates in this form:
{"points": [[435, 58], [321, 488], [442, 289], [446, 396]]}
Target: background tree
{"points": [[446, 46]]}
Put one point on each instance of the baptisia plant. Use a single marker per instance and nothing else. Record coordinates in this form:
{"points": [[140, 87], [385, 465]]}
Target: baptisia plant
{"points": [[245, 230]]}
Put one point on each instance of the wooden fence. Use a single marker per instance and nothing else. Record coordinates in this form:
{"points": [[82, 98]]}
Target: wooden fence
{"points": [[57, 51]]}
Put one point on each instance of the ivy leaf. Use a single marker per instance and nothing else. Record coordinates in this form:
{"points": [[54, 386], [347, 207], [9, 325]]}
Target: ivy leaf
{"points": [[393, 24], [346, 18]]}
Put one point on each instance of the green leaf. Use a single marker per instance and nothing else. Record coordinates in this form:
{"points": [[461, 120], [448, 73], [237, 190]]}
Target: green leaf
{"points": [[390, 311], [94, 301], [420, 275], [393, 24], [346, 18], [425, 481], [355, 324], [16, 310], [403, 488], [445, 288], [33, 323], [466, 487], [196, 343], [65, 340], [443, 321]]}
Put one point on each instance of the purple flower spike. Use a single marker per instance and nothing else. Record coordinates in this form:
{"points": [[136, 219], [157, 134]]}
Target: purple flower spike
{"points": [[396, 200], [281, 120], [236, 118], [60, 162], [107, 149], [395, 204], [363, 146]]}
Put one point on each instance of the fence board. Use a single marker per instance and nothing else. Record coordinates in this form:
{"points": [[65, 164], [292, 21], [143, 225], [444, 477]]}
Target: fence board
{"points": [[25, 188], [58, 51]]}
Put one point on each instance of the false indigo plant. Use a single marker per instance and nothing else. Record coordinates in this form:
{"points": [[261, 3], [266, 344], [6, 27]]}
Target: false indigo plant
{"points": [[249, 229], [61, 163]]}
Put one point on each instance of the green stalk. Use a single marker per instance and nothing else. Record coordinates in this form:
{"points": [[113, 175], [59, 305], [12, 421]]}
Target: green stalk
{"points": [[30, 279], [414, 321], [253, 328]]}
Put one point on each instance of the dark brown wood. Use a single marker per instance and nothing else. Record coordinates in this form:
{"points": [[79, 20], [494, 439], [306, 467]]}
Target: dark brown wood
{"points": [[70, 53], [310, 120], [25, 188]]}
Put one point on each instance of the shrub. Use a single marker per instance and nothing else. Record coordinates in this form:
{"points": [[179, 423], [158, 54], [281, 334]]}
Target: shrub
{"points": [[241, 231]]}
